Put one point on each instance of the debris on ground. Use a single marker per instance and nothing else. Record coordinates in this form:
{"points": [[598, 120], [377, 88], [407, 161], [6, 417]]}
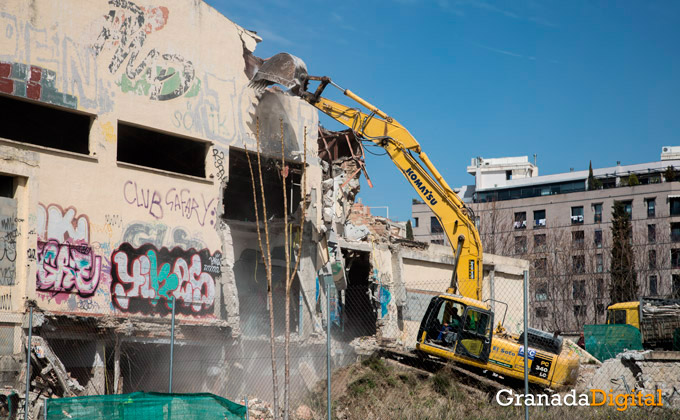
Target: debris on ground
{"points": [[645, 371], [303, 412], [258, 409], [262, 410], [364, 346], [377, 389]]}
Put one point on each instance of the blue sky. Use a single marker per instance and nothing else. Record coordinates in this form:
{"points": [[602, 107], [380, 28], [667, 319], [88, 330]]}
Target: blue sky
{"points": [[570, 81]]}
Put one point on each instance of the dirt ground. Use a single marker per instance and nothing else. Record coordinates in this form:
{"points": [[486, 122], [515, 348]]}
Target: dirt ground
{"points": [[378, 389]]}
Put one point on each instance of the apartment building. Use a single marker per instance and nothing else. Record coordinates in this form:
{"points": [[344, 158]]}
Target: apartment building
{"points": [[564, 228]]}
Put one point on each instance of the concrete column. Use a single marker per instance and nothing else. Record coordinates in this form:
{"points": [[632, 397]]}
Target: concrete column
{"points": [[117, 385], [97, 385], [381, 259], [308, 272], [227, 286]]}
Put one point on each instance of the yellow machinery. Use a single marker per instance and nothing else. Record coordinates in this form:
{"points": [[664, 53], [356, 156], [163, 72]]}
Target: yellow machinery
{"points": [[457, 325], [624, 313], [657, 319]]}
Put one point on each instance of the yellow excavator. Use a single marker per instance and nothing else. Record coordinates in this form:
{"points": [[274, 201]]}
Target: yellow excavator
{"points": [[457, 325]]}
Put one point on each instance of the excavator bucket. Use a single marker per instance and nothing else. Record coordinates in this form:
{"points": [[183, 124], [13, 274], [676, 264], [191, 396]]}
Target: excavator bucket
{"points": [[284, 69]]}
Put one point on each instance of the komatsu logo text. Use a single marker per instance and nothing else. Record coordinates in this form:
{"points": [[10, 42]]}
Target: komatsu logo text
{"points": [[418, 183]]}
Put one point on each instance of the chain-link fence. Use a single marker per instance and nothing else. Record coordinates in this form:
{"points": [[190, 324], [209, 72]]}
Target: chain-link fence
{"points": [[415, 325]]}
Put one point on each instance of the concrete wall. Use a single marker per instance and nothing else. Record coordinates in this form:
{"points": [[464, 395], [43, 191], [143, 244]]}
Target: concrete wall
{"points": [[87, 224], [427, 273], [508, 282]]}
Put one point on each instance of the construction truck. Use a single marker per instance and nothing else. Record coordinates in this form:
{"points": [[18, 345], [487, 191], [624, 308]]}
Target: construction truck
{"points": [[650, 323], [457, 325]]}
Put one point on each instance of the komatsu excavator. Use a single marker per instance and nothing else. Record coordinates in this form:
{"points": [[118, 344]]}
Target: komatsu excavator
{"points": [[457, 325]]}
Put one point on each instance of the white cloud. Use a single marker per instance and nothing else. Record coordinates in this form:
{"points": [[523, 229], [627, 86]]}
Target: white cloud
{"points": [[504, 52]]}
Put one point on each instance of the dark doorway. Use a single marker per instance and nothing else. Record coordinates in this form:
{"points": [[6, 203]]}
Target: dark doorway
{"points": [[360, 314]]}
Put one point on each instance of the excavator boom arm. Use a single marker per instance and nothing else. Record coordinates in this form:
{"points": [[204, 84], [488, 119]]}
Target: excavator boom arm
{"points": [[401, 146]]}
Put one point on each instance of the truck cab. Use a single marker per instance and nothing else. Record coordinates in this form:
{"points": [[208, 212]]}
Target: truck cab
{"points": [[624, 313]]}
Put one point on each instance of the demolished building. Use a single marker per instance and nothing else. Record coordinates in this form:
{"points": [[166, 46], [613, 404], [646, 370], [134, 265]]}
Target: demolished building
{"points": [[125, 146], [124, 181]]}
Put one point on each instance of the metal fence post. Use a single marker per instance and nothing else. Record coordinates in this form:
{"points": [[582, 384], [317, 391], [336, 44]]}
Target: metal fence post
{"points": [[45, 409], [329, 279], [247, 409], [172, 343], [526, 341], [28, 362]]}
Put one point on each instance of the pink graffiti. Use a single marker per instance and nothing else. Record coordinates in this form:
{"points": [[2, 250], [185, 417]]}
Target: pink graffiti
{"points": [[66, 267]]}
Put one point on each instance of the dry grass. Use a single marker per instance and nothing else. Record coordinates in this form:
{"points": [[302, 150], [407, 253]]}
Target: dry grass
{"points": [[376, 390]]}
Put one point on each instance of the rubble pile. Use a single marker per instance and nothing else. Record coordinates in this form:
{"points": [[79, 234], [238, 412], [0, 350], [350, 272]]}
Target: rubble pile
{"points": [[364, 346], [49, 379], [262, 410], [380, 228], [50, 376], [646, 371], [340, 186], [258, 409]]}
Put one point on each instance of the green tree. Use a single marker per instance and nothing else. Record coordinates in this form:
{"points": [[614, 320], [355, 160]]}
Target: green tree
{"points": [[409, 231], [633, 180], [669, 175], [624, 287], [593, 183]]}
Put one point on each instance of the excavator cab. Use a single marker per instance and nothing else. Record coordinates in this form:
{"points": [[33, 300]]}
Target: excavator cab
{"points": [[452, 325], [475, 336]]}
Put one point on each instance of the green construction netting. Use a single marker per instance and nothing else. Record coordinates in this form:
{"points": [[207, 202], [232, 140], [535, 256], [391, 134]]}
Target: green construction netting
{"points": [[606, 341], [145, 406]]}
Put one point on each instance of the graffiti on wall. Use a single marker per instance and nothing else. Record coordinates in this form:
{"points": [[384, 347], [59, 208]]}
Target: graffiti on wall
{"points": [[6, 302], [9, 231], [158, 76], [33, 82], [8, 239], [216, 110], [218, 161], [62, 225], [66, 267], [66, 261], [158, 234], [50, 53], [8, 276], [219, 109], [144, 280], [175, 200]]}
